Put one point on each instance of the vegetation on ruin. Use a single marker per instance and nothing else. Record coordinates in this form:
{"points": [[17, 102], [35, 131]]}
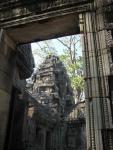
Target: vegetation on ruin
{"points": [[71, 57]]}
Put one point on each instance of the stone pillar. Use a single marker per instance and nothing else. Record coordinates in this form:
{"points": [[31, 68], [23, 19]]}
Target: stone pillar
{"points": [[96, 71], [7, 65]]}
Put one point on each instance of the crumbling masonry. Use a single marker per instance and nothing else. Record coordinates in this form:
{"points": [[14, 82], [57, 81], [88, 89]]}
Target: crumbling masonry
{"points": [[53, 91], [53, 87], [29, 21]]}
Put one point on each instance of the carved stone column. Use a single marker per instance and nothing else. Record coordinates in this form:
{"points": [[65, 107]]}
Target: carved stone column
{"points": [[7, 65], [96, 71]]}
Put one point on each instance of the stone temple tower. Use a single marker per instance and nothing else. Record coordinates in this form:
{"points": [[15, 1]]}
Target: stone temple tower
{"points": [[52, 86]]}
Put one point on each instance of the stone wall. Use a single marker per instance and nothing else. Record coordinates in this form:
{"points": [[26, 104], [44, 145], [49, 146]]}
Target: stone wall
{"points": [[98, 64], [9, 76], [76, 135], [14, 136], [25, 61], [7, 66], [28, 124]]}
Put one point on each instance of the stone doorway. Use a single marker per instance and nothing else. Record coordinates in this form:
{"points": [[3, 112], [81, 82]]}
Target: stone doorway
{"points": [[20, 24]]}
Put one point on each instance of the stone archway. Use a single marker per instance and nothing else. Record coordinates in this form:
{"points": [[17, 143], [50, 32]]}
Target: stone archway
{"points": [[26, 22]]}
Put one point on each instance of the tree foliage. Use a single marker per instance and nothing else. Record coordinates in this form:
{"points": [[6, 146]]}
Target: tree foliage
{"points": [[74, 64]]}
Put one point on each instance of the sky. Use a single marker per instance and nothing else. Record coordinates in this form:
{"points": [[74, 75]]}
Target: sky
{"points": [[53, 43]]}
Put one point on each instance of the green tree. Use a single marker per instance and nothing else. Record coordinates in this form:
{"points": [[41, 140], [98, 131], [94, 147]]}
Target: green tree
{"points": [[74, 64]]}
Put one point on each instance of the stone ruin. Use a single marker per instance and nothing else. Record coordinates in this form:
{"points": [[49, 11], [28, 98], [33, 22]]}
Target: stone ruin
{"points": [[52, 86], [52, 90], [40, 116]]}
